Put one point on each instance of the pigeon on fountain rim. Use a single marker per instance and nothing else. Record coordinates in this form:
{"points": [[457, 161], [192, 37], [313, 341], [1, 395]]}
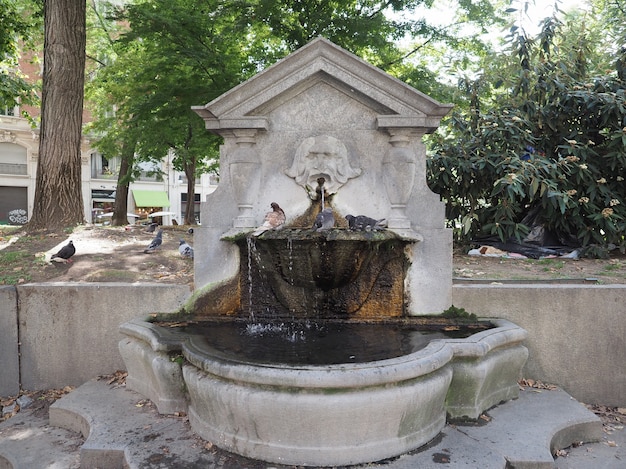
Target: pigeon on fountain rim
{"points": [[365, 223], [325, 220], [273, 220]]}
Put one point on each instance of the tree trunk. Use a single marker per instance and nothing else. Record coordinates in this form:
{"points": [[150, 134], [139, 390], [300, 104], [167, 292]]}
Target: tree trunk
{"points": [[123, 182], [190, 173], [58, 195]]}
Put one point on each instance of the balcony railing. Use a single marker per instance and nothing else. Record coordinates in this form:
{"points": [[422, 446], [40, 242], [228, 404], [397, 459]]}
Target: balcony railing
{"points": [[143, 176], [98, 174], [150, 176]]}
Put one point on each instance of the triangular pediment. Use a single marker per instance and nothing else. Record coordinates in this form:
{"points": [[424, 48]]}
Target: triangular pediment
{"points": [[397, 103]]}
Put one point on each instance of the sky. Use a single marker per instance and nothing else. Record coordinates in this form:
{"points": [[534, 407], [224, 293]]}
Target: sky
{"points": [[537, 10], [543, 9]]}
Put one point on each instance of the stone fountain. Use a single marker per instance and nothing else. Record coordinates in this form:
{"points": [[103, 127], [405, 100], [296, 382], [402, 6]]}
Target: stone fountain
{"points": [[322, 129]]}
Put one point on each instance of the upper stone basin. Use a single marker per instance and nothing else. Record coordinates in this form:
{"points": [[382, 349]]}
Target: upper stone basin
{"points": [[335, 273]]}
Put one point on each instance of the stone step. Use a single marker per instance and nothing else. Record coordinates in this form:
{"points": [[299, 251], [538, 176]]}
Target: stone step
{"points": [[27, 441], [121, 429]]}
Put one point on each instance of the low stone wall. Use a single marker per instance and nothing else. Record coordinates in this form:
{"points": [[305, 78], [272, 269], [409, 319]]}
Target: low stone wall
{"points": [[576, 333], [9, 363], [69, 332]]}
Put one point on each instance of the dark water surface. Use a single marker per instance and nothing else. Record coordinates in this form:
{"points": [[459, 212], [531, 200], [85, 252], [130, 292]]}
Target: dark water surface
{"points": [[309, 343]]}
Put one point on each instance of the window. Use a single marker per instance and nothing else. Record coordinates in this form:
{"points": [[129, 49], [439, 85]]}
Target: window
{"points": [[149, 171], [13, 159], [8, 110], [103, 167]]}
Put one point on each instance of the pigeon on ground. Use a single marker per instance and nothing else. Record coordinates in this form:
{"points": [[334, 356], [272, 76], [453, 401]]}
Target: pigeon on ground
{"points": [[325, 220], [190, 231], [363, 223], [155, 243], [151, 227], [273, 220], [64, 254], [185, 249]]}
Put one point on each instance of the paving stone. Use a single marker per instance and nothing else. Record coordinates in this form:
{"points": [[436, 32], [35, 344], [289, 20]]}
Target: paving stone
{"points": [[107, 427]]}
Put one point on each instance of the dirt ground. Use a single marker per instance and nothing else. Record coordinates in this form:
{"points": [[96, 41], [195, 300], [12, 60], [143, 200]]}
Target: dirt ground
{"points": [[115, 254], [589, 271], [103, 254]]}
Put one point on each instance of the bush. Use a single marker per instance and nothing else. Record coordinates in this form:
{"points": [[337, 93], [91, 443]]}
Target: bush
{"points": [[552, 140]]}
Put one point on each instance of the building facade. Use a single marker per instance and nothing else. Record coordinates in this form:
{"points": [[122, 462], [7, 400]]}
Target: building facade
{"points": [[159, 188]]}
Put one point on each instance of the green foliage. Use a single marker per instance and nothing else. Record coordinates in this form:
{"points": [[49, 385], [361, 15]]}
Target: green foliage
{"points": [[175, 54], [547, 131], [19, 20], [458, 313]]}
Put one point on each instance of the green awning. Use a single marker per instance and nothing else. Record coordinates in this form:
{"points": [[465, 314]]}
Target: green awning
{"points": [[151, 198]]}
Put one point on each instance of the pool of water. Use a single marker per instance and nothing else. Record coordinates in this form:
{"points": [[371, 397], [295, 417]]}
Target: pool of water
{"points": [[311, 343]]}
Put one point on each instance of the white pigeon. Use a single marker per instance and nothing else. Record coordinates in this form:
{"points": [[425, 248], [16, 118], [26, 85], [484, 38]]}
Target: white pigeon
{"points": [[185, 249], [155, 243], [273, 220], [325, 220]]}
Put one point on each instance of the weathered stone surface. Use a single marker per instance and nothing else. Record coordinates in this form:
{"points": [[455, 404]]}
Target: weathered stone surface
{"points": [[69, 332], [324, 113], [9, 370]]}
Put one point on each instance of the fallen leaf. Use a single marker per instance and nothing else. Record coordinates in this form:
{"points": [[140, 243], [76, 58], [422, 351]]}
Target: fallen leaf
{"points": [[536, 384]]}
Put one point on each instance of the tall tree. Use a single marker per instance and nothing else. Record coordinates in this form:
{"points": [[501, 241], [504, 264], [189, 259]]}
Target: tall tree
{"points": [[58, 196], [175, 54], [180, 53]]}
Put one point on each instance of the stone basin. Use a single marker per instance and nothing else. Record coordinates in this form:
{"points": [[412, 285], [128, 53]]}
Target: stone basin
{"points": [[336, 273], [323, 415]]}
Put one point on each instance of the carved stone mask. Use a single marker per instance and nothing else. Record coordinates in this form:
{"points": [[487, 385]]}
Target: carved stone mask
{"points": [[321, 157]]}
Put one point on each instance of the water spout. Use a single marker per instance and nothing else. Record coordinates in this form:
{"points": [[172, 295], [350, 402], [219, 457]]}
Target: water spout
{"points": [[320, 189]]}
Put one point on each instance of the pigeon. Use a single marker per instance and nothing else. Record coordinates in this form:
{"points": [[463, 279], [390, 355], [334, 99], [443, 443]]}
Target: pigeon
{"points": [[273, 220], [64, 254], [184, 249], [363, 223], [190, 231], [155, 243], [325, 220], [151, 227]]}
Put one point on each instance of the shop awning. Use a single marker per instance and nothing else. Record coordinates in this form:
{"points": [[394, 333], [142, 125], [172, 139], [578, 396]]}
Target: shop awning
{"points": [[150, 198]]}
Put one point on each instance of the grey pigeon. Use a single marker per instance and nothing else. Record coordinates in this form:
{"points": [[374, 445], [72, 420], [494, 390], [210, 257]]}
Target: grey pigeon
{"points": [[155, 243], [185, 249], [64, 254], [364, 223], [325, 220], [273, 220], [151, 227]]}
